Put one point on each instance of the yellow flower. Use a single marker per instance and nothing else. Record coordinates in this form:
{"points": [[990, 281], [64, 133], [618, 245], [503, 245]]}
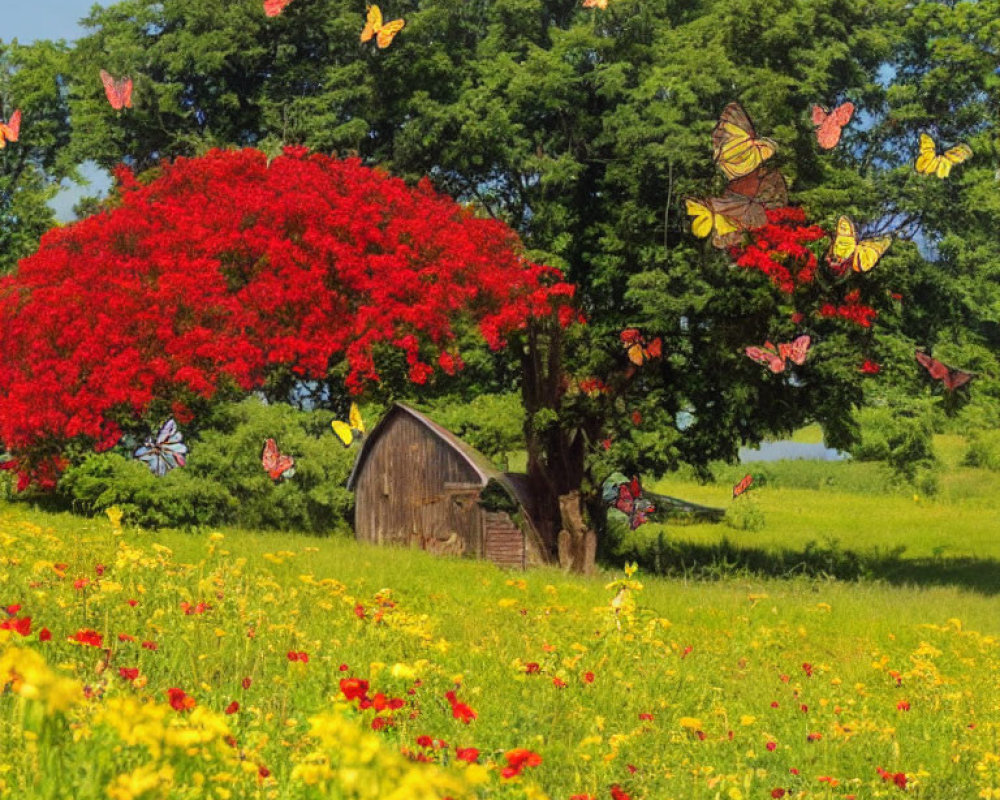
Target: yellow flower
{"points": [[691, 723]]}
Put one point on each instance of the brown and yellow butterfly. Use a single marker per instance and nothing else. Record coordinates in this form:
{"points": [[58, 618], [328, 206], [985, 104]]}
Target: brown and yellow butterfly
{"points": [[737, 149], [351, 430], [862, 254], [930, 163], [383, 32], [743, 206]]}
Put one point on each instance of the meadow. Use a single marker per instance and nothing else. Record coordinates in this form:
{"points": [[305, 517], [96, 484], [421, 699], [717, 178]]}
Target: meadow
{"points": [[237, 664]]}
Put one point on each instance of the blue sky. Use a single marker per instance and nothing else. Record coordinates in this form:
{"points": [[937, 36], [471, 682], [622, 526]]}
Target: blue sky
{"points": [[28, 20]]}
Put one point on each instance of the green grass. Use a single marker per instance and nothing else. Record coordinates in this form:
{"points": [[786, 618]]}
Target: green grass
{"points": [[719, 671]]}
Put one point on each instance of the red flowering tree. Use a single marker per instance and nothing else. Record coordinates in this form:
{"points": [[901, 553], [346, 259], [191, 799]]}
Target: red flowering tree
{"points": [[226, 270]]}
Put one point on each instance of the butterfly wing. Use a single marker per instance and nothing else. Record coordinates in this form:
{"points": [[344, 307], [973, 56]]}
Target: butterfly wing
{"points": [[735, 145], [602, 4], [274, 7], [819, 115], [373, 23], [937, 370], [766, 186], [112, 91], [151, 455], [952, 156], [767, 356], [354, 418], [125, 91], [927, 159], [743, 485], [343, 431], [269, 457], [845, 241], [798, 349], [830, 126], [742, 211], [868, 252], [704, 217], [388, 32], [10, 131], [956, 378], [625, 501], [640, 509], [655, 349]]}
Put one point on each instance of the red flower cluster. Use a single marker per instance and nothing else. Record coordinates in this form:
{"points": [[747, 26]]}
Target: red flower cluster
{"points": [[87, 637], [898, 778], [779, 249], [226, 267], [21, 625], [300, 656], [180, 700], [852, 309], [517, 760], [460, 710]]}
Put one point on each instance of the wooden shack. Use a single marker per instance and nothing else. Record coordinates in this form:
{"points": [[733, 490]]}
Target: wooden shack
{"points": [[416, 484]]}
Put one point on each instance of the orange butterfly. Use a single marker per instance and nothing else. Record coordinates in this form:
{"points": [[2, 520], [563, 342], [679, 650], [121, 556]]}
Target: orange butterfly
{"points": [[383, 33], [775, 358], [276, 464], [9, 131], [601, 4], [639, 350], [118, 90], [274, 7], [830, 123]]}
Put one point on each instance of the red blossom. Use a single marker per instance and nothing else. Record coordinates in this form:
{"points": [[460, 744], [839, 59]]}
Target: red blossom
{"points": [[470, 754], [353, 688], [44, 635], [588, 677], [518, 760], [180, 700], [617, 793], [21, 625], [88, 637], [460, 710], [245, 683], [870, 367], [778, 250], [233, 707], [228, 267]]}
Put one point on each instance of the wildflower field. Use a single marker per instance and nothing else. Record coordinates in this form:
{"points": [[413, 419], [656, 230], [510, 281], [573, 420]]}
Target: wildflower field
{"points": [[243, 665]]}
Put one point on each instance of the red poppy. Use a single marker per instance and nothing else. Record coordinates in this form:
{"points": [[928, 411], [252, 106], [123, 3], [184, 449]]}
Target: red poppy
{"points": [[150, 646], [559, 683], [470, 754], [87, 637], [263, 772], [233, 707], [359, 611], [531, 667], [588, 677], [180, 700], [129, 673], [807, 668], [870, 367], [518, 759], [645, 715], [245, 683], [903, 705], [21, 625], [777, 793], [460, 710], [617, 793], [771, 746], [353, 688], [44, 635]]}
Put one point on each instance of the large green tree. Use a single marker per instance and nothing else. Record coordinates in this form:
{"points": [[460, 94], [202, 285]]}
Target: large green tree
{"points": [[584, 129]]}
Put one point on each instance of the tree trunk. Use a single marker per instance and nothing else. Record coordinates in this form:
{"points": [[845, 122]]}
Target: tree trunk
{"points": [[555, 454]]}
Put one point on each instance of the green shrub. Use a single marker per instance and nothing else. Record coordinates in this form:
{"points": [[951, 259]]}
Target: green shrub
{"points": [[984, 451], [223, 482], [901, 436], [491, 423]]}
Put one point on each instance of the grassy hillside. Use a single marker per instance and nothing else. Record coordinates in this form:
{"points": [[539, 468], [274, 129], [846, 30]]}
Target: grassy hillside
{"points": [[679, 689]]}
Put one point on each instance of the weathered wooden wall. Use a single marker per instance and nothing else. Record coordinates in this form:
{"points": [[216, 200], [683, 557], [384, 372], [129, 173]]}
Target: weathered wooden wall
{"points": [[414, 489]]}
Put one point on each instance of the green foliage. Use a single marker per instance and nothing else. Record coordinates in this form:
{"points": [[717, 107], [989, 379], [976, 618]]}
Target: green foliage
{"points": [[984, 451], [223, 482], [491, 423], [744, 514], [901, 437]]}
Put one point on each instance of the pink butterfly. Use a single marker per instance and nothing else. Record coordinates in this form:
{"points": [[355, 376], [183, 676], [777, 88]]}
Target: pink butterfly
{"points": [[775, 358], [118, 90], [830, 123], [274, 7]]}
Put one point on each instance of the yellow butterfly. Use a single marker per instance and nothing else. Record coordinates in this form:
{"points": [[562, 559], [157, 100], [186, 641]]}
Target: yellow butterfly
{"points": [[930, 163], [383, 33], [737, 149], [351, 430], [707, 220], [863, 255]]}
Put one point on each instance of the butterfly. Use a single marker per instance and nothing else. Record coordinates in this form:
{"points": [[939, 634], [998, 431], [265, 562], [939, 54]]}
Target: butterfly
{"points": [[638, 349], [930, 163], [383, 33], [743, 206], [353, 429], [276, 464], [9, 131], [862, 255], [274, 7], [630, 501], [830, 123], [737, 149], [166, 452], [744, 484], [601, 4], [118, 90], [775, 358], [951, 377]]}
